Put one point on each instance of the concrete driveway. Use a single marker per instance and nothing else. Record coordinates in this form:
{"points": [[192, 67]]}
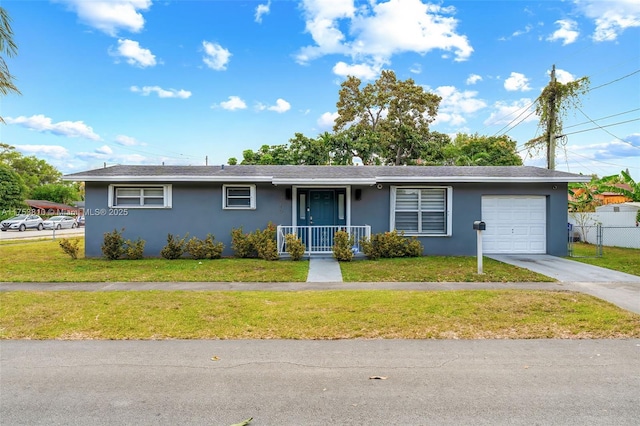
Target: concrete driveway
{"points": [[564, 270], [616, 287]]}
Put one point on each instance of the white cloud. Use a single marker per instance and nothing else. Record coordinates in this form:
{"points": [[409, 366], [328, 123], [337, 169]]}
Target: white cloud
{"points": [[40, 123], [456, 104], [109, 16], [473, 79], [375, 31], [162, 93], [517, 81], [416, 69], [262, 9], [611, 17], [505, 113], [127, 141], [563, 76], [134, 54], [361, 71], [280, 106], [216, 57], [526, 30], [53, 151], [234, 102], [104, 149], [327, 120], [567, 32]]}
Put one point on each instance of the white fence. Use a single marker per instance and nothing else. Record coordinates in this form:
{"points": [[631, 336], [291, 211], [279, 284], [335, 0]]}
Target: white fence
{"points": [[619, 229], [319, 239]]}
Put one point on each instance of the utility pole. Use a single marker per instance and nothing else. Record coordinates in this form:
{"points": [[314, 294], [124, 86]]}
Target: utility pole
{"points": [[551, 126]]}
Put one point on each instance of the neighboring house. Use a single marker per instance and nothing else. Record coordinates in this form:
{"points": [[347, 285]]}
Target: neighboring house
{"points": [[623, 207], [44, 207], [524, 208]]}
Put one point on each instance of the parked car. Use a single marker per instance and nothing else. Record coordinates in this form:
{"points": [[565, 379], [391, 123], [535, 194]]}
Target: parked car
{"points": [[80, 220], [60, 222], [22, 222]]}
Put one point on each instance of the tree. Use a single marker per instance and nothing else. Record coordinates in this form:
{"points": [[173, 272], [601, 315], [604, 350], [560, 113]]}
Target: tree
{"points": [[275, 154], [308, 151], [9, 49], [34, 172], [583, 196], [387, 121], [56, 192], [608, 184], [551, 106], [478, 150], [12, 191]]}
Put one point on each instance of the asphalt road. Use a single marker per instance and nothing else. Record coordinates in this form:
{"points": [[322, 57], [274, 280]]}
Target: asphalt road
{"points": [[283, 382]]}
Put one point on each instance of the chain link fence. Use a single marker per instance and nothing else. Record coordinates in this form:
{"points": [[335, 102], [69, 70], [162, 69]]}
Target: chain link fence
{"points": [[594, 237]]}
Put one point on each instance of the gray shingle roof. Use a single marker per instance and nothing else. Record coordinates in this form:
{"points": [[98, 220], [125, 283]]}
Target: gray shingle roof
{"points": [[307, 174]]}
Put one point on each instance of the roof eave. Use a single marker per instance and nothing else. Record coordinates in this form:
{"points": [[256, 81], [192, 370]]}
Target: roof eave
{"points": [[88, 178]]}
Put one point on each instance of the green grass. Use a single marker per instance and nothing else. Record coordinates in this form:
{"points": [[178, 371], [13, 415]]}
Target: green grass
{"points": [[478, 314], [436, 269], [616, 258], [45, 261]]}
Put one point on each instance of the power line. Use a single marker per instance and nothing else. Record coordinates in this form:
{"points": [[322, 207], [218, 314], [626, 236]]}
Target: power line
{"points": [[602, 128], [601, 118], [613, 81]]}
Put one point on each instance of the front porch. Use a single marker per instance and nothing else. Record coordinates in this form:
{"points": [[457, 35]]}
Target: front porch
{"points": [[318, 239]]}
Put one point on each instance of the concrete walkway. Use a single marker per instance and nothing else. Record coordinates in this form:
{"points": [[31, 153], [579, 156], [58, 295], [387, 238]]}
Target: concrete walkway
{"points": [[324, 269]]}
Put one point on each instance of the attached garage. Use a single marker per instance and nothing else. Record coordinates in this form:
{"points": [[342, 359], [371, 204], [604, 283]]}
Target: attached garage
{"points": [[515, 224]]}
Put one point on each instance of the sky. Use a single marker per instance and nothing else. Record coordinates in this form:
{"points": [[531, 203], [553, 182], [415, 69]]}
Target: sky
{"points": [[195, 82]]}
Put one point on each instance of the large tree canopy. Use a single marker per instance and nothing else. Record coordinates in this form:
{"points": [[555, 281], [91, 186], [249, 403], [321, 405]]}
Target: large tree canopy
{"points": [[386, 121]]}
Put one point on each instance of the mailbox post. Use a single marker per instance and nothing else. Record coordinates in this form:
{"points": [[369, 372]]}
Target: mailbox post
{"points": [[479, 226]]}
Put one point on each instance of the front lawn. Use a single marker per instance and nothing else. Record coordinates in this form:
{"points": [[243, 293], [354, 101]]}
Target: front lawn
{"points": [[470, 314], [44, 261], [616, 258], [436, 269]]}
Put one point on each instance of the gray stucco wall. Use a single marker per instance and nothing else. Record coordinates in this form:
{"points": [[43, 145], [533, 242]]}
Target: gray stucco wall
{"points": [[374, 209], [197, 209]]}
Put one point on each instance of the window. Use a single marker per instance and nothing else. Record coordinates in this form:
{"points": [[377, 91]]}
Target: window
{"points": [[239, 196], [421, 210], [147, 196]]}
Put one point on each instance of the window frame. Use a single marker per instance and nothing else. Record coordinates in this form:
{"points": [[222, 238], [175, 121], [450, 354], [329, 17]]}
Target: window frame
{"points": [[447, 210], [252, 196], [167, 200]]}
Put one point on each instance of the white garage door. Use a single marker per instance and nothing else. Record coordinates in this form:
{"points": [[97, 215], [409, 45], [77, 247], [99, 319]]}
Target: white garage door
{"points": [[515, 224]]}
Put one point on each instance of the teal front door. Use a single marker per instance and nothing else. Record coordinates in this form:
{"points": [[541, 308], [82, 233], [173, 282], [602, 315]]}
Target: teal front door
{"points": [[322, 208], [323, 211]]}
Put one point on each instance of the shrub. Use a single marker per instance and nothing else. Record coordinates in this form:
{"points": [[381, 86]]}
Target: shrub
{"points": [[264, 242], [295, 246], [214, 250], [134, 250], [203, 249], [71, 247], [113, 245], [261, 243], [240, 243], [174, 248], [342, 246], [391, 244]]}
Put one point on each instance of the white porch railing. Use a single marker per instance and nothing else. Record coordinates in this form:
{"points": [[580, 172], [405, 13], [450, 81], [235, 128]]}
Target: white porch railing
{"points": [[319, 239]]}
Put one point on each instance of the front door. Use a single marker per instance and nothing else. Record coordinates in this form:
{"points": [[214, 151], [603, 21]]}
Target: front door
{"points": [[323, 210]]}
